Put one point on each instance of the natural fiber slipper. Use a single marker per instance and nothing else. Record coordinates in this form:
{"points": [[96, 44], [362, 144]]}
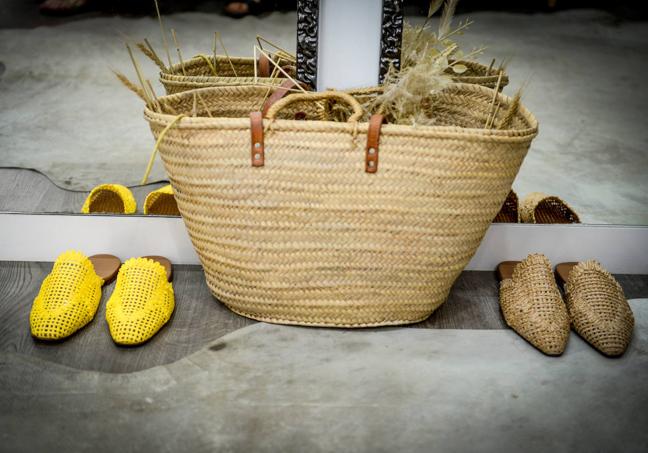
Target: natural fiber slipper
{"points": [[161, 202], [597, 306], [110, 198], [531, 303], [70, 294], [509, 211], [541, 208], [142, 301]]}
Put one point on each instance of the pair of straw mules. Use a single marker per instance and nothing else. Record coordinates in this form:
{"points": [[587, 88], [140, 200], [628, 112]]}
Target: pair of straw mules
{"points": [[141, 303], [536, 207], [118, 199], [594, 305]]}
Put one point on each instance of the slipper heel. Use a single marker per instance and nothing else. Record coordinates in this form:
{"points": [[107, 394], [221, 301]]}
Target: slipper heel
{"points": [[541, 208], [110, 199]]}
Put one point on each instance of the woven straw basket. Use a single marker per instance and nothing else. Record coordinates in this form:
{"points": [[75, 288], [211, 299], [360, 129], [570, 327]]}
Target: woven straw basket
{"points": [[311, 236], [200, 75], [196, 73]]}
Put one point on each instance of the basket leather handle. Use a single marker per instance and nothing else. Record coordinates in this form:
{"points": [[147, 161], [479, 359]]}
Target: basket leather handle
{"points": [[279, 94], [324, 95], [263, 66], [373, 140]]}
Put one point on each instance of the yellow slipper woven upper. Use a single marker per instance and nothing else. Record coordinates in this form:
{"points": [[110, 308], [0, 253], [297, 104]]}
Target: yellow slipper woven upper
{"points": [[161, 202], [68, 298], [141, 303], [110, 198]]}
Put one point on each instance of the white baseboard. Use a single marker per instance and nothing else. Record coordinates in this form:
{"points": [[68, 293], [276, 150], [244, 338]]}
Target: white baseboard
{"points": [[42, 237]]}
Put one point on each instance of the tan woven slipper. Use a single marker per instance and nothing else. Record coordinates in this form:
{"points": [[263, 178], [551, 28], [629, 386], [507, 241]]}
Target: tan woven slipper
{"points": [[509, 211], [531, 303], [542, 208], [597, 306]]}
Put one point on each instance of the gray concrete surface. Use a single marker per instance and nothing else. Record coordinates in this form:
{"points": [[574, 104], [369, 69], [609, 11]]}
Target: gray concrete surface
{"points": [[278, 388], [62, 111]]}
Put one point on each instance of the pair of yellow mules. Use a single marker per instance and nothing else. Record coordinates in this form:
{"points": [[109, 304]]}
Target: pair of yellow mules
{"points": [[118, 199], [140, 305]]}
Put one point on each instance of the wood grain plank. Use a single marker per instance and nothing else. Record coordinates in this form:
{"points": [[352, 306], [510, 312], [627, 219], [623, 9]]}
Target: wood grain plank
{"points": [[199, 319]]}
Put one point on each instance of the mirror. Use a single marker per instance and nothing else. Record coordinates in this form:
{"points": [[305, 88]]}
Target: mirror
{"points": [[67, 124]]}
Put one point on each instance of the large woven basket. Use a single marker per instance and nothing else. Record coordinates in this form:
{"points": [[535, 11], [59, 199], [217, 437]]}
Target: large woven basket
{"points": [[312, 237], [197, 73]]}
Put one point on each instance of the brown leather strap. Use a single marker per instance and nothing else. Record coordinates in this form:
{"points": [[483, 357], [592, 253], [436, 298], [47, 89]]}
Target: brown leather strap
{"points": [[256, 127], [373, 140], [264, 66], [285, 88]]}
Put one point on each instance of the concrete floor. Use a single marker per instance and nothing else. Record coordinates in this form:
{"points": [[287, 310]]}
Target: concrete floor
{"points": [[278, 388], [62, 111]]}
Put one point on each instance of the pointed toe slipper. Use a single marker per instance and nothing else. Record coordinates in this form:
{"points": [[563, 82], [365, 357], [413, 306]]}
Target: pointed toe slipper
{"points": [[142, 302], [69, 296], [161, 202], [110, 199], [598, 308], [531, 303], [542, 208]]}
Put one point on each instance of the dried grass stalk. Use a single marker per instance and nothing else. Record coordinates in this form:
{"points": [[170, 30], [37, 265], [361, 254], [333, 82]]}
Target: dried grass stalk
{"points": [[130, 85]]}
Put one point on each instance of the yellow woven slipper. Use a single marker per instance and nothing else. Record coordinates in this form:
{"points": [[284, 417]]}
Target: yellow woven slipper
{"points": [[538, 207], [161, 202], [531, 303], [70, 294], [597, 306], [110, 198], [142, 301]]}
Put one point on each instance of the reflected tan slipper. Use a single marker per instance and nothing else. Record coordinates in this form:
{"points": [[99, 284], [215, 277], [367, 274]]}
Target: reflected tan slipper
{"points": [[542, 208], [110, 199], [161, 202], [597, 306], [509, 211], [531, 303]]}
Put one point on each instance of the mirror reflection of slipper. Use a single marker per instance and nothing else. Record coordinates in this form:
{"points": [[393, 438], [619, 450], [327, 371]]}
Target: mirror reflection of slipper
{"points": [[531, 303], [110, 199], [143, 300], [161, 202], [542, 208], [597, 306], [508, 213], [69, 296]]}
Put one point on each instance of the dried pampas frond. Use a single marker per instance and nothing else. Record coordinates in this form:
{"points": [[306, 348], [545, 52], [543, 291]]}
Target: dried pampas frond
{"points": [[407, 94]]}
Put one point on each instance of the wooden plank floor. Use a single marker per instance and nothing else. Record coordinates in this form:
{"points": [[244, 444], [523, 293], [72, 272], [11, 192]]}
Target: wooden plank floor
{"points": [[199, 319], [25, 190]]}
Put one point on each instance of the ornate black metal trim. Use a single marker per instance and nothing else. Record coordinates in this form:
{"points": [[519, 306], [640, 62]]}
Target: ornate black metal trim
{"points": [[307, 38], [307, 41], [392, 35]]}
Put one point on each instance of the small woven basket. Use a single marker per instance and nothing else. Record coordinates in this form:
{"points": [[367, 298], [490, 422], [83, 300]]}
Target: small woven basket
{"points": [[312, 237], [478, 74], [197, 73]]}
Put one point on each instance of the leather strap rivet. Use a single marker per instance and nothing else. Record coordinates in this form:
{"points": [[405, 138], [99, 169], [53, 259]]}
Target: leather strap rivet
{"points": [[257, 145], [371, 163], [372, 151]]}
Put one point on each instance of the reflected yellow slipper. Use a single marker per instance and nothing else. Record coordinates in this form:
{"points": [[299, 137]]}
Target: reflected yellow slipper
{"points": [[142, 301], [161, 202], [70, 294], [110, 198]]}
